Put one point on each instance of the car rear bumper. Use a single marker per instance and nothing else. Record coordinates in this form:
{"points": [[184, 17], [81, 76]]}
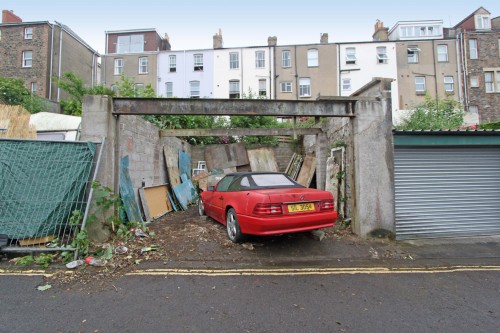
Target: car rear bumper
{"points": [[285, 224]]}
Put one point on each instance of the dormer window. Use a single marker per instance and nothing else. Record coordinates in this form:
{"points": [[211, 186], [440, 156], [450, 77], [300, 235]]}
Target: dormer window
{"points": [[413, 54], [483, 22], [350, 56]]}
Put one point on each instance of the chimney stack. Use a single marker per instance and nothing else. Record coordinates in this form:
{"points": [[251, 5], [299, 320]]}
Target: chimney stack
{"points": [[8, 16], [324, 38], [272, 41], [218, 44], [381, 33]]}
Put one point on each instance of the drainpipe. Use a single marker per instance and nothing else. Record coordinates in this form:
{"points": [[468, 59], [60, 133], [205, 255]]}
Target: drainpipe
{"points": [[184, 74], [270, 72], [435, 72], [296, 73], [51, 62], [339, 87], [103, 70], [241, 87], [60, 58], [459, 72], [464, 68], [274, 74]]}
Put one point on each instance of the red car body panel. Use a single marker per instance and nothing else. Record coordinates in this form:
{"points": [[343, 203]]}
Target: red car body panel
{"points": [[216, 205]]}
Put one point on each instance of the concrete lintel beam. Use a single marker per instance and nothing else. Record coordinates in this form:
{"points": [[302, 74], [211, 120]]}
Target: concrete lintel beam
{"points": [[240, 132], [339, 107]]}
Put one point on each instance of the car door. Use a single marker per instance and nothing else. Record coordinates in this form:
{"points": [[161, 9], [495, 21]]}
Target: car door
{"points": [[220, 197]]}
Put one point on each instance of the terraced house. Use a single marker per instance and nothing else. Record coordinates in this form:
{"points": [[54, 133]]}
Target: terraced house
{"points": [[38, 52]]}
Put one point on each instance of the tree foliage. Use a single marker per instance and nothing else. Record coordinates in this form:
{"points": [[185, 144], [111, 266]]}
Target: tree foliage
{"points": [[433, 115], [74, 86], [14, 92]]}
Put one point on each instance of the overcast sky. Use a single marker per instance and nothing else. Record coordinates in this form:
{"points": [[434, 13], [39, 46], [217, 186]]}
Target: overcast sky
{"points": [[191, 24]]}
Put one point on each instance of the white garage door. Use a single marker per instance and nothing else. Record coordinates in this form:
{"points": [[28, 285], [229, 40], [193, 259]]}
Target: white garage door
{"points": [[446, 192]]}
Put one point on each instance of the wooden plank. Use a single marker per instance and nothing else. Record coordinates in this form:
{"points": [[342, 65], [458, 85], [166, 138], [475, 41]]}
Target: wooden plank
{"points": [[144, 204], [127, 192], [307, 171], [262, 159], [172, 163], [36, 240], [220, 157], [202, 179], [157, 200]]}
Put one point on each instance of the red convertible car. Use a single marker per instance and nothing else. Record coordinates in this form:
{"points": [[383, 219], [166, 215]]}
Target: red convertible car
{"points": [[266, 203]]}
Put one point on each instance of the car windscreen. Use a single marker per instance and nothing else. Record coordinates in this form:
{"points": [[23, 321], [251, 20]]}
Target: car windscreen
{"points": [[272, 180], [224, 183]]}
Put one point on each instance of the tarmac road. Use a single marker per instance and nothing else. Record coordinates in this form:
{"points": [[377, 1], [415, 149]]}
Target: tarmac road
{"points": [[336, 299]]}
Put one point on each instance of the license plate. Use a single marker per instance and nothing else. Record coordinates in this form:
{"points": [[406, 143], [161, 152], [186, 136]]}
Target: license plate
{"points": [[302, 207]]}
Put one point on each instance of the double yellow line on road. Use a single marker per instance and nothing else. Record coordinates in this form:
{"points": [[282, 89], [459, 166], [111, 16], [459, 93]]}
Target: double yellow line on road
{"points": [[309, 271], [278, 271]]}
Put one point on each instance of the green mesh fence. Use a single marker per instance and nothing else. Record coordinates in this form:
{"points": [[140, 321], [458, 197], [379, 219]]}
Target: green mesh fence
{"points": [[43, 187]]}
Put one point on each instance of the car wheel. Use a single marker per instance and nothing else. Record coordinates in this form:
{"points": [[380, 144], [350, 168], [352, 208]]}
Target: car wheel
{"points": [[201, 208], [233, 227]]}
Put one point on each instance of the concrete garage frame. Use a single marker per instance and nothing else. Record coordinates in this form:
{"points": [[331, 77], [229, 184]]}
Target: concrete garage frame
{"points": [[366, 115]]}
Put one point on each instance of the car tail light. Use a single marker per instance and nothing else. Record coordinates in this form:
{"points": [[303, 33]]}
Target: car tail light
{"points": [[326, 205], [268, 209]]}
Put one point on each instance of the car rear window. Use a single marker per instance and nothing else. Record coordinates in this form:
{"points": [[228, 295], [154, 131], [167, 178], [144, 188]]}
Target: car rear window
{"points": [[266, 180]]}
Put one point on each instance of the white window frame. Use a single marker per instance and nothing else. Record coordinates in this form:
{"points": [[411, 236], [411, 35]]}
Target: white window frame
{"points": [[474, 81], [449, 85], [234, 60], [442, 52], [346, 84], [420, 86], [286, 86], [194, 89], [286, 59], [312, 58], [198, 62], [169, 89], [413, 52], [27, 59], [350, 56], [118, 68], [33, 88], [260, 59], [143, 65], [382, 57], [263, 87], [483, 22], [492, 81], [305, 87], [234, 89], [473, 54], [28, 33], [172, 63]]}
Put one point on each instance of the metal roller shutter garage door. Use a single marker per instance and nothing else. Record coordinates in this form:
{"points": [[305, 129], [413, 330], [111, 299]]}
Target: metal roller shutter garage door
{"points": [[447, 192]]}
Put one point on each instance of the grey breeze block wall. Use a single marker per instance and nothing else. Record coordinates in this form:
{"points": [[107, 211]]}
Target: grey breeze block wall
{"points": [[126, 135], [370, 158]]}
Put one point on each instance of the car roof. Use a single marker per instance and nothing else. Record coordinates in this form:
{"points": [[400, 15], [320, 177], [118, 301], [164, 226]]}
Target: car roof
{"points": [[242, 173]]}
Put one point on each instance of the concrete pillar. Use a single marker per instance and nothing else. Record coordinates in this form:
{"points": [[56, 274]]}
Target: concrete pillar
{"points": [[99, 123], [373, 172]]}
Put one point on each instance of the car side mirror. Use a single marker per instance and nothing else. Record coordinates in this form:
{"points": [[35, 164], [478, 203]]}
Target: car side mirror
{"points": [[211, 188]]}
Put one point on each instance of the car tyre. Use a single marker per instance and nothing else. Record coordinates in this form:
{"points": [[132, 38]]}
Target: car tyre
{"points": [[201, 208], [233, 227]]}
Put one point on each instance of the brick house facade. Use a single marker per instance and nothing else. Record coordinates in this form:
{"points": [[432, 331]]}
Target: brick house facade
{"points": [[39, 52]]}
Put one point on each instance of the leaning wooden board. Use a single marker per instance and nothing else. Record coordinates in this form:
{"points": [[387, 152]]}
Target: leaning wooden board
{"points": [[307, 171], [172, 163], [262, 159], [155, 201]]}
